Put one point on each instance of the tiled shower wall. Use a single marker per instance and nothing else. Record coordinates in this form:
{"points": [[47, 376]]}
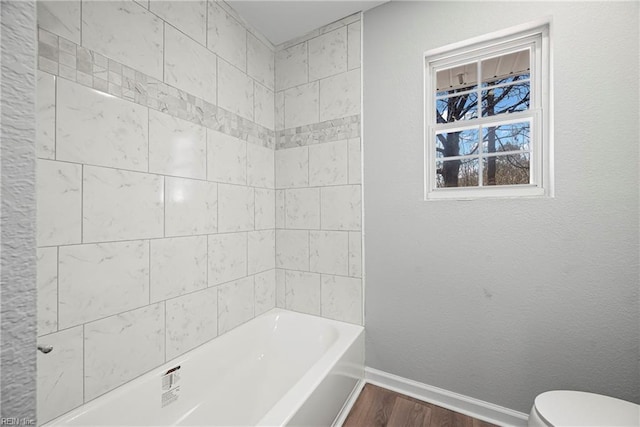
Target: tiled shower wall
{"points": [[156, 195], [156, 184], [318, 184]]}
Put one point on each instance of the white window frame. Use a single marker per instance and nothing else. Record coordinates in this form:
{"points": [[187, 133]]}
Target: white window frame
{"points": [[533, 36]]}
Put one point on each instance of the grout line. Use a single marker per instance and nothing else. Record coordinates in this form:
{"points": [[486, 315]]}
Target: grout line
{"points": [[55, 117], [57, 288], [165, 329], [150, 281], [84, 365], [206, 24], [164, 49], [82, 203]]}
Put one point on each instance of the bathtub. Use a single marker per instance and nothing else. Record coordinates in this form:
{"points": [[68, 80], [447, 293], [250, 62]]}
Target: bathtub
{"points": [[281, 368]]}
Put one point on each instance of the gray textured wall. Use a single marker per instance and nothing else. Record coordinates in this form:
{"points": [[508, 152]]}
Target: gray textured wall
{"points": [[503, 299], [17, 220]]}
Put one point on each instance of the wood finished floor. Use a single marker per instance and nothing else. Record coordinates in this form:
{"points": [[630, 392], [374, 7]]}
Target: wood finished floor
{"points": [[379, 407]]}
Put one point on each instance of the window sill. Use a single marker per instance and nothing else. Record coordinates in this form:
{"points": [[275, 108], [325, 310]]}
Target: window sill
{"points": [[497, 192]]}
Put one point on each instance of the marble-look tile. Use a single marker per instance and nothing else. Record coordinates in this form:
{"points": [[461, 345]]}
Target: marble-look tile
{"points": [[121, 205], [263, 107], [329, 252], [143, 3], [191, 320], [190, 17], [353, 34], [227, 257], [280, 288], [328, 163], [47, 279], [260, 61], [101, 279], [279, 110], [355, 161], [59, 198], [302, 292], [190, 207], [265, 208], [292, 167], [227, 37], [355, 254], [260, 166], [342, 298], [328, 54], [235, 208], [301, 105], [46, 115], [280, 208], [176, 147], [188, 65], [261, 251], [236, 303], [122, 347], [302, 208], [99, 129], [265, 291], [125, 32], [62, 18], [235, 90], [226, 158], [339, 96], [292, 249], [178, 266], [60, 382], [340, 207], [291, 66]]}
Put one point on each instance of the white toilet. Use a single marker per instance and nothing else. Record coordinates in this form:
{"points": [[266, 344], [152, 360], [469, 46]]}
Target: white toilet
{"points": [[576, 408]]}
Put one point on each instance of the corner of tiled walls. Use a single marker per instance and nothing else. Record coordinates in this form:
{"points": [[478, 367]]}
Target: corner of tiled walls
{"points": [[156, 187], [191, 176], [318, 184]]}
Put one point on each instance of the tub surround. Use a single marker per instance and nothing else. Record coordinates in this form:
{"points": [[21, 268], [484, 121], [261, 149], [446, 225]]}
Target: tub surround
{"points": [[157, 201], [318, 186]]}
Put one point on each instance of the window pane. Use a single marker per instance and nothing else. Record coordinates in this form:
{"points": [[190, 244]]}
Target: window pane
{"points": [[506, 99], [456, 79], [511, 137], [455, 108], [505, 66], [460, 143], [457, 173], [509, 169]]}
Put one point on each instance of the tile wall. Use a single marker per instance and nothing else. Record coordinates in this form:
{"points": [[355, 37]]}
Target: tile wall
{"points": [[156, 200], [318, 184], [181, 159]]}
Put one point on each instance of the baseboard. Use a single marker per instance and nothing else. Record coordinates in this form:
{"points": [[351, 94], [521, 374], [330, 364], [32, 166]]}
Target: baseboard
{"points": [[457, 402], [346, 408]]}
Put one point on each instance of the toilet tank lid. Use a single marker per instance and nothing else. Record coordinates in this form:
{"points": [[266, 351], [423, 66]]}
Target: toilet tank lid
{"points": [[578, 408]]}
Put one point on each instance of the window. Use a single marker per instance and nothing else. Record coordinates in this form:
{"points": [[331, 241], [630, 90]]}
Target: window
{"points": [[487, 117]]}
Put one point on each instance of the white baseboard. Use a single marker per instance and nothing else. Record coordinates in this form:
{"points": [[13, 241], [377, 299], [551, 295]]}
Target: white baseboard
{"points": [[346, 408], [457, 402]]}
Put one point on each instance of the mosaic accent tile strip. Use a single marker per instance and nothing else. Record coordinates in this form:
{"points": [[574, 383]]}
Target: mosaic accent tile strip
{"points": [[330, 130], [66, 59]]}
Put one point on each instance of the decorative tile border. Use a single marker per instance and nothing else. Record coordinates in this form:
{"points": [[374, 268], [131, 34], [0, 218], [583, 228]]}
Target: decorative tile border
{"points": [[330, 130], [66, 59]]}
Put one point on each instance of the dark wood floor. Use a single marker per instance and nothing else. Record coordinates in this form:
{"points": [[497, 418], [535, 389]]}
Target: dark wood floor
{"points": [[379, 407]]}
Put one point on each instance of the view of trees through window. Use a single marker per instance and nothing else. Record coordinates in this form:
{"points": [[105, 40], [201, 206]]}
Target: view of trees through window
{"points": [[497, 151]]}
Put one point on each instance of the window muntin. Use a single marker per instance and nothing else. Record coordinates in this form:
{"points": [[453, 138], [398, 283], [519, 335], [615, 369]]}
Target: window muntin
{"points": [[484, 136]]}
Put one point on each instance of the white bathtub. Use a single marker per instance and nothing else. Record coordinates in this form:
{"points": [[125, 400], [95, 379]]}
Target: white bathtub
{"points": [[281, 368]]}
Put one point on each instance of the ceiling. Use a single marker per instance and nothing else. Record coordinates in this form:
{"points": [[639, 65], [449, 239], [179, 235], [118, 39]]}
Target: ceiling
{"points": [[281, 21]]}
